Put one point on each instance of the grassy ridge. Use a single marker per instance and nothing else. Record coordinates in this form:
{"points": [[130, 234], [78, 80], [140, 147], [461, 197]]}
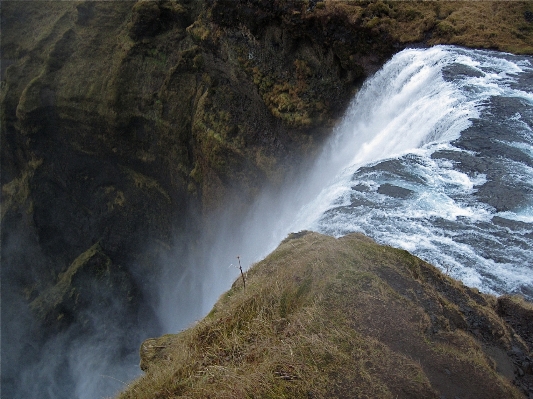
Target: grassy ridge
{"points": [[323, 317]]}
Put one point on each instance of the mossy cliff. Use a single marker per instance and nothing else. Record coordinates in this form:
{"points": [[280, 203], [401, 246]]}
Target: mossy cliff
{"points": [[345, 318], [124, 123]]}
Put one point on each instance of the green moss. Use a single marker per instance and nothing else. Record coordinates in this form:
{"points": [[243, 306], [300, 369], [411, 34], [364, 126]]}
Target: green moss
{"points": [[196, 173], [144, 182], [445, 29], [17, 193], [48, 301], [199, 31], [158, 57]]}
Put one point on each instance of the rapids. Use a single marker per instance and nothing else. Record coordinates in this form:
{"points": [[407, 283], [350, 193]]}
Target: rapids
{"points": [[435, 156]]}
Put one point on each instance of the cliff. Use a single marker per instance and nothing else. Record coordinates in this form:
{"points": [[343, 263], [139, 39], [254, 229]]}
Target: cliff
{"points": [[345, 318], [125, 124]]}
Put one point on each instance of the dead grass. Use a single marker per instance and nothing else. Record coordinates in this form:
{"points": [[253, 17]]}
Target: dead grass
{"points": [[500, 25], [318, 320]]}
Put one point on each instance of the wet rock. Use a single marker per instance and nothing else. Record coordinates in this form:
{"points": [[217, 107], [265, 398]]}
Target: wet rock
{"points": [[511, 224], [361, 188], [502, 198], [458, 70], [394, 191]]}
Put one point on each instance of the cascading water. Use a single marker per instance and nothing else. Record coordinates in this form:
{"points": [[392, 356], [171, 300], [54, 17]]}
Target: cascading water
{"points": [[434, 155], [405, 106]]}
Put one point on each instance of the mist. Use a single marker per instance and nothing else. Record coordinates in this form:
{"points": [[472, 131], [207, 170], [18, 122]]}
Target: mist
{"points": [[399, 109], [91, 354]]}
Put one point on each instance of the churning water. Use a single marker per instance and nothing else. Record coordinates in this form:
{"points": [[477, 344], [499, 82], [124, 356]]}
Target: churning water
{"points": [[435, 156]]}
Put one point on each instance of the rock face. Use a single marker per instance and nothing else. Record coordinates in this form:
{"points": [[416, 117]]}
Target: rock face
{"points": [[118, 118], [125, 123], [334, 318]]}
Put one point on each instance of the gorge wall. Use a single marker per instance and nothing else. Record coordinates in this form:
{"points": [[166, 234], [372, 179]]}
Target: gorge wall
{"points": [[127, 124]]}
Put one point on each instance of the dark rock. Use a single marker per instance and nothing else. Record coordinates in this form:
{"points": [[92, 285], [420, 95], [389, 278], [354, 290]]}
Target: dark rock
{"points": [[85, 12], [145, 20], [526, 366], [458, 70], [394, 191], [511, 224], [520, 316], [361, 188]]}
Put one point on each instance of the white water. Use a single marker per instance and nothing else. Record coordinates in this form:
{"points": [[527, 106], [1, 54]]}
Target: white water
{"points": [[404, 114], [405, 106], [441, 221]]}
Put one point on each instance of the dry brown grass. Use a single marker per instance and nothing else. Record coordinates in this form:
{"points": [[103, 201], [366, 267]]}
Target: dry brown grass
{"points": [[324, 317], [500, 25]]}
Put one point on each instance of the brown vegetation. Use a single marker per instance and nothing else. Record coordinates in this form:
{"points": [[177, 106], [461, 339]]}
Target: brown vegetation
{"points": [[335, 318]]}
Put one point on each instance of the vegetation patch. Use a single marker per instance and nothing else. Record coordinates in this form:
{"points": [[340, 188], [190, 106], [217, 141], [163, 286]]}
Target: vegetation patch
{"points": [[47, 301], [16, 193]]}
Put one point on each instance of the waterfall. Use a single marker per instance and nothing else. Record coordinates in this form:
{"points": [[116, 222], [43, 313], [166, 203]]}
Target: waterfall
{"points": [[405, 106], [397, 170]]}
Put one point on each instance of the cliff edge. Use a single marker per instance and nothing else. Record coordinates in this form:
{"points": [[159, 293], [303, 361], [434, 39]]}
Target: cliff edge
{"points": [[345, 318]]}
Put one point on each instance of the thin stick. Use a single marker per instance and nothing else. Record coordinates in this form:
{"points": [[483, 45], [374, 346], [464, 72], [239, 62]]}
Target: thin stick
{"points": [[242, 274]]}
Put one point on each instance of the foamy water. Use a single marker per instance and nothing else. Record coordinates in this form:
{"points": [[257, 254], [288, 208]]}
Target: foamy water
{"points": [[404, 133]]}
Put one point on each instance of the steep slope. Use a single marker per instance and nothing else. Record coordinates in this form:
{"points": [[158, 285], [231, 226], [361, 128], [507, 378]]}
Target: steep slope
{"points": [[335, 318], [125, 124]]}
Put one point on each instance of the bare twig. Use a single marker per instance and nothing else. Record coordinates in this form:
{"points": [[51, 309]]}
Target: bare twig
{"points": [[242, 274], [450, 269]]}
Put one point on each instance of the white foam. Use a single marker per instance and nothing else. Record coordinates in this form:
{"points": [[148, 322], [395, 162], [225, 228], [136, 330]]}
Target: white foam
{"points": [[523, 215]]}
